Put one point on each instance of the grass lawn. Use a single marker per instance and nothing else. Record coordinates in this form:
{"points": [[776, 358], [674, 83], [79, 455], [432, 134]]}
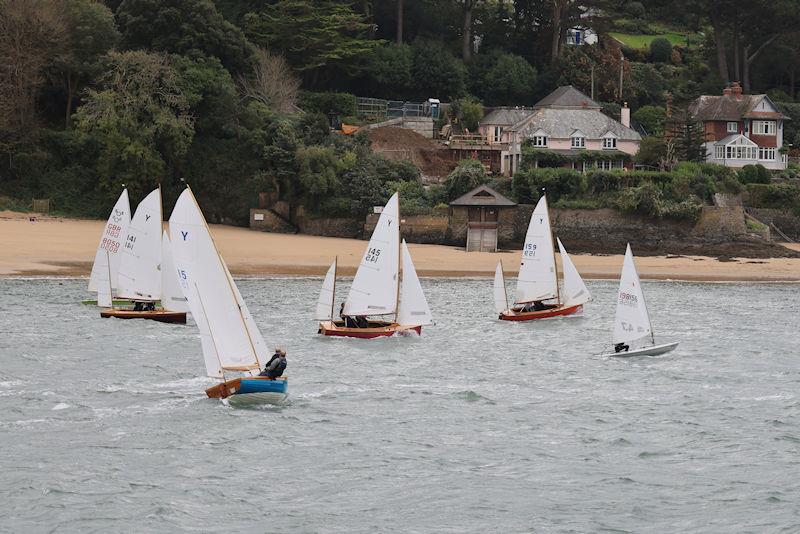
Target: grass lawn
{"points": [[643, 41]]}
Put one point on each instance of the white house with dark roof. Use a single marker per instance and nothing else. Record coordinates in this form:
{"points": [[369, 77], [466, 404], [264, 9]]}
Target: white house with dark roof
{"points": [[565, 122], [741, 129]]}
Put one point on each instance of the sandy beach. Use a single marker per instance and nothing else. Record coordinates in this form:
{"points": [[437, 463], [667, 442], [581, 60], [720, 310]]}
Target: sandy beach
{"points": [[53, 246]]}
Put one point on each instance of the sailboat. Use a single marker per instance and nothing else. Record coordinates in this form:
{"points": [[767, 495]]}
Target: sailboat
{"points": [[109, 250], [377, 288], [633, 330], [538, 295], [139, 277], [233, 348]]}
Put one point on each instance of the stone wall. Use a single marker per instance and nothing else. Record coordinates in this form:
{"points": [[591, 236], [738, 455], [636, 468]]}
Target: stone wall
{"points": [[415, 228], [330, 227], [786, 221], [268, 221]]}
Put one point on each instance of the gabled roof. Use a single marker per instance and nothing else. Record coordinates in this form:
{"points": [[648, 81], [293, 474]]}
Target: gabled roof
{"points": [[483, 196], [735, 139], [561, 123], [568, 97], [732, 108], [505, 116]]}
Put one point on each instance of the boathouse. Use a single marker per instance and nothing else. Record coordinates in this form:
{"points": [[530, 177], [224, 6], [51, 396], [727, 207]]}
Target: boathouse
{"points": [[482, 218]]}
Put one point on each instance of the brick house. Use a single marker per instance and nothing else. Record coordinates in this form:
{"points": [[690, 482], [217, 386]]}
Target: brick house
{"points": [[565, 122], [741, 129]]}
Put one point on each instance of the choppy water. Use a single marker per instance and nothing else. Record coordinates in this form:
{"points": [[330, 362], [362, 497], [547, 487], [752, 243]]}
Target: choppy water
{"points": [[477, 426]]}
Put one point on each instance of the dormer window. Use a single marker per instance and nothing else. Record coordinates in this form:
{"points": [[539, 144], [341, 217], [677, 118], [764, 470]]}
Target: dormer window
{"points": [[609, 142], [539, 141], [733, 127], [578, 141], [498, 133]]}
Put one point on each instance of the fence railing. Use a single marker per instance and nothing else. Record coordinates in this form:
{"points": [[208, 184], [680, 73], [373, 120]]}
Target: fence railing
{"points": [[376, 108]]}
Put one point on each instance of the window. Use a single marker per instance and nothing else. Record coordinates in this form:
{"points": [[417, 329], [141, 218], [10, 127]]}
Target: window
{"points": [[609, 142], [720, 152], [578, 142], [733, 127], [498, 133], [784, 158], [539, 140], [741, 152], [766, 154], [764, 127]]}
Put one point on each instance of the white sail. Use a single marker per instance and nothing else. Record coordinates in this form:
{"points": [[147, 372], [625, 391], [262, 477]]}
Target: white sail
{"points": [[105, 298], [172, 297], [632, 321], [500, 296], [537, 269], [414, 309], [139, 277], [374, 289], [326, 295], [111, 242], [229, 337], [574, 291]]}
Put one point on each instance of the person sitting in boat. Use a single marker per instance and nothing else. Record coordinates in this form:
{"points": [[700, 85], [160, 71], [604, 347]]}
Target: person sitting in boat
{"points": [[619, 347], [349, 322], [138, 306], [150, 306], [362, 322], [275, 366]]}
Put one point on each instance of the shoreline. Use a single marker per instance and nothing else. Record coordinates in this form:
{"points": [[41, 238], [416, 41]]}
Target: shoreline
{"points": [[59, 247]]}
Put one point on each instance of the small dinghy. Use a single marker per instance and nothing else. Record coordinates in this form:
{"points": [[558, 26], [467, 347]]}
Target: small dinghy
{"points": [[109, 250], [233, 348], [379, 288], [633, 330], [140, 277], [538, 295]]}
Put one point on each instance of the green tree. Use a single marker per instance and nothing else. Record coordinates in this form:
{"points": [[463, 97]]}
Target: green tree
{"points": [[314, 37], [436, 72], [651, 118], [186, 27], [389, 68], [91, 32], [469, 174], [660, 50], [140, 120], [502, 79]]}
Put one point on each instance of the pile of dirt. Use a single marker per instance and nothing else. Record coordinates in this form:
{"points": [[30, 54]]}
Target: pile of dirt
{"points": [[430, 158]]}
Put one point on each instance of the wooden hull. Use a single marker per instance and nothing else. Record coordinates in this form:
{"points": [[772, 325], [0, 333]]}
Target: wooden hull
{"points": [[251, 390], [161, 316], [655, 350], [376, 329], [543, 314]]}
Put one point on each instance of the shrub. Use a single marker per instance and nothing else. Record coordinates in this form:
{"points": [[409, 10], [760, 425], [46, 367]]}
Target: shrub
{"points": [[556, 183], [652, 150], [660, 50], [754, 174], [603, 182], [779, 196], [328, 102], [469, 174], [468, 112], [644, 200], [651, 118]]}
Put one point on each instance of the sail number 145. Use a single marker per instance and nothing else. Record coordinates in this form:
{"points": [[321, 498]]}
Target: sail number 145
{"points": [[372, 255]]}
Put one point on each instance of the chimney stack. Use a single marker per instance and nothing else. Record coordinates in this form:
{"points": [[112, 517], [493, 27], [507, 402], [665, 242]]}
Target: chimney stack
{"points": [[736, 89], [726, 91], [625, 115]]}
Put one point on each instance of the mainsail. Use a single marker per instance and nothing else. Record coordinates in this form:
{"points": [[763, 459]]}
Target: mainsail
{"points": [[106, 259], [537, 269], [414, 309], [575, 291], [138, 277], [632, 321], [500, 296], [230, 339], [172, 298], [374, 289], [326, 295]]}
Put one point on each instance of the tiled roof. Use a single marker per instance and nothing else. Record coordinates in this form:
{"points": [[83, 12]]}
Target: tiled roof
{"points": [[567, 97], [483, 196], [730, 108], [505, 116], [560, 123]]}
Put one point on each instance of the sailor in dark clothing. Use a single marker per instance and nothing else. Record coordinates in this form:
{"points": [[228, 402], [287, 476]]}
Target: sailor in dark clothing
{"points": [[619, 347], [275, 366], [150, 306], [138, 306], [348, 321]]}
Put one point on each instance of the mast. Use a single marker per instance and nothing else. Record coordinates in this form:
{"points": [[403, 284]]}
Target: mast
{"points": [[399, 262], [333, 291], [644, 302], [230, 287], [110, 289]]}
